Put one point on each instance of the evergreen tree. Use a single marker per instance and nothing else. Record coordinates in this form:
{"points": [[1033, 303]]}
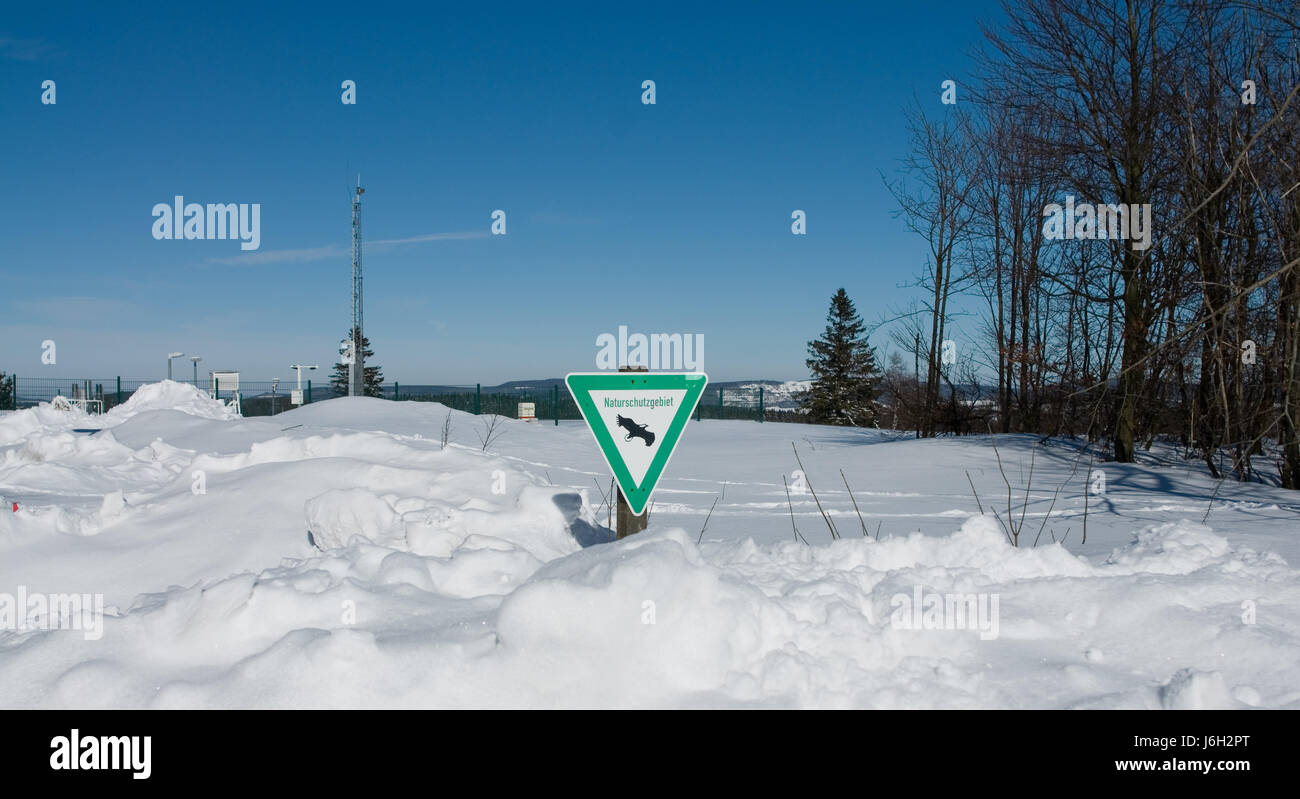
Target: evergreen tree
{"points": [[6, 392], [844, 370], [374, 376]]}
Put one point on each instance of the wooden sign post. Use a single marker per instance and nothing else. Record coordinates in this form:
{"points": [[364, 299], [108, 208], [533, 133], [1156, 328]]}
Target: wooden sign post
{"points": [[628, 522]]}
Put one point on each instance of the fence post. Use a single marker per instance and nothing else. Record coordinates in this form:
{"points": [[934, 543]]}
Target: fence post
{"points": [[13, 385], [556, 391], [119, 389], [478, 398], [396, 389], [308, 402], [760, 404]]}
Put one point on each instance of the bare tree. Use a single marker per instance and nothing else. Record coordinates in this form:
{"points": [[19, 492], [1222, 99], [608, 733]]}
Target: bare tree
{"points": [[934, 205], [491, 430]]}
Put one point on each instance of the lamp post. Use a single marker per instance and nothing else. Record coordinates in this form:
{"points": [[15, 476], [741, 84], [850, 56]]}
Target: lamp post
{"points": [[170, 358], [296, 399], [196, 359]]}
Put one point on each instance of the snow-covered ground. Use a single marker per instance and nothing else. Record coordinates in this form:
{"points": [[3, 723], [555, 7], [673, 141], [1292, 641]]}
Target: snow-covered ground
{"points": [[452, 577]]}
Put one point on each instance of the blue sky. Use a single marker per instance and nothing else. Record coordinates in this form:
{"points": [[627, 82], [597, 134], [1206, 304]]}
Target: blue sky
{"points": [[673, 217]]}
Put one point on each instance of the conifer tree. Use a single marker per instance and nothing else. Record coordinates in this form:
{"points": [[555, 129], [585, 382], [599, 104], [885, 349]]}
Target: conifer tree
{"points": [[844, 370]]}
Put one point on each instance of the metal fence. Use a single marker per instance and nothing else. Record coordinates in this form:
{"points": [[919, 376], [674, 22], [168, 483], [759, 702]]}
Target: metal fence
{"points": [[724, 403], [551, 400], [257, 397]]}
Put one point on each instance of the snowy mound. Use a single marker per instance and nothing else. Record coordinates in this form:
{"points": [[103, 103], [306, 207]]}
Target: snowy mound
{"points": [[657, 621], [172, 396], [346, 555], [19, 425]]}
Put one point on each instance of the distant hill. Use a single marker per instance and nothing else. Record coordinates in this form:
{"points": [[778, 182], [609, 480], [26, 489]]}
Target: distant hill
{"points": [[779, 394]]}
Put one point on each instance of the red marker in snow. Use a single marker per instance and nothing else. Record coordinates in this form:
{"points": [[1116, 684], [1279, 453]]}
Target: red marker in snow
{"points": [[15, 507]]}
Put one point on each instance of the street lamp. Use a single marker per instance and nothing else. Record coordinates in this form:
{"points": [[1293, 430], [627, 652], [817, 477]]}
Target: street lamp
{"points": [[196, 359], [170, 358]]}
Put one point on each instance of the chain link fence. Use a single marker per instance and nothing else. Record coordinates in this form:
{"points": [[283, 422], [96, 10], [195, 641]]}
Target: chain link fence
{"points": [[551, 399], [257, 397]]}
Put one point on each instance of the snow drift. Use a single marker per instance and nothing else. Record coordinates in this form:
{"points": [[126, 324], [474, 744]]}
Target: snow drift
{"points": [[315, 560]]}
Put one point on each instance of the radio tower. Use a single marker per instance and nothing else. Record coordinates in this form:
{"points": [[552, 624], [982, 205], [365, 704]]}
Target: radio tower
{"points": [[357, 375]]}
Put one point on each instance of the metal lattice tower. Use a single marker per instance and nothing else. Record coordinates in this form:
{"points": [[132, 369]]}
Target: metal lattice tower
{"points": [[357, 373]]}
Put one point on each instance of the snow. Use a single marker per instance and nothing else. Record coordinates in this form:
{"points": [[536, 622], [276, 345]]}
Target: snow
{"points": [[170, 396], [338, 555]]}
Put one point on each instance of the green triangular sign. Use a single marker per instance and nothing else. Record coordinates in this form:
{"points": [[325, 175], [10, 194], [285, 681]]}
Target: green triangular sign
{"points": [[637, 419]]}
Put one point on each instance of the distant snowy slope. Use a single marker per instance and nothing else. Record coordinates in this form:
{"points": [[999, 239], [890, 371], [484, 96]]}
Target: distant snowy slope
{"points": [[776, 394]]}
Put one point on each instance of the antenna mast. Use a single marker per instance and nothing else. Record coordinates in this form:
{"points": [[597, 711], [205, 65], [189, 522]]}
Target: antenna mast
{"points": [[357, 371]]}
